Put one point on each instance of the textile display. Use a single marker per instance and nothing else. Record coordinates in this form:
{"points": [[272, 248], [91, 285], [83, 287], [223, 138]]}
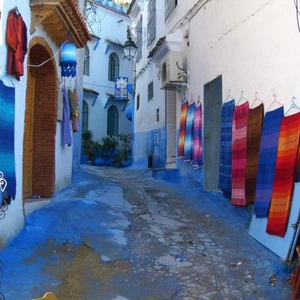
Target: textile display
{"points": [[239, 146], [188, 141], [197, 138], [7, 137], [16, 37], [267, 162], [66, 128], [254, 128], [285, 171], [226, 147], [77, 113], [182, 127]]}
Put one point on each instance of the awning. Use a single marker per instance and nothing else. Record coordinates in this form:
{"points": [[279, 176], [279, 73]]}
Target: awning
{"points": [[59, 18], [111, 99]]}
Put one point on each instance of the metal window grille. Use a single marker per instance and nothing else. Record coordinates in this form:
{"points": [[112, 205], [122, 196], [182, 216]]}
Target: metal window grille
{"points": [[137, 102], [113, 66], [157, 115], [112, 121], [151, 25], [169, 7], [86, 62], [85, 116], [150, 91], [139, 38]]}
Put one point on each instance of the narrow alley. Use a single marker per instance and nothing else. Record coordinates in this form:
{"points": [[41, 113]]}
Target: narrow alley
{"points": [[119, 234]]}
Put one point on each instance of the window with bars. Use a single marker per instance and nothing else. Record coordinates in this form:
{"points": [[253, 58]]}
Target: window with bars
{"points": [[85, 116], [113, 66], [112, 121], [151, 24], [139, 38], [150, 91], [138, 102], [169, 7], [86, 62]]}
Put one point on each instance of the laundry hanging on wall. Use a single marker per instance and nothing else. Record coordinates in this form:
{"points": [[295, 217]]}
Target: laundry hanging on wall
{"points": [[239, 146], [188, 141], [182, 128], [66, 128], [254, 128], [226, 147], [16, 38], [197, 136], [267, 162], [285, 171], [7, 137]]}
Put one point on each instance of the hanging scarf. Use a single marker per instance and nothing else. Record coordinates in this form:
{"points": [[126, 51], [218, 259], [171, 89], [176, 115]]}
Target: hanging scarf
{"points": [[239, 146], [285, 171], [183, 115], [66, 128], [77, 113], [197, 139], [188, 142]]}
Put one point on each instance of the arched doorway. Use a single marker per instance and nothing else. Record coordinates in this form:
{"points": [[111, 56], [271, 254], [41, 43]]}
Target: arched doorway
{"points": [[40, 122]]}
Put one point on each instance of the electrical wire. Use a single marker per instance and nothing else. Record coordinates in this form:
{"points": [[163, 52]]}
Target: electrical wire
{"points": [[37, 66], [297, 13]]}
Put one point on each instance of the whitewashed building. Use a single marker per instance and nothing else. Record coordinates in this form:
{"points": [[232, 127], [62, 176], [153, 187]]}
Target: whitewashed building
{"points": [[40, 164], [103, 112]]}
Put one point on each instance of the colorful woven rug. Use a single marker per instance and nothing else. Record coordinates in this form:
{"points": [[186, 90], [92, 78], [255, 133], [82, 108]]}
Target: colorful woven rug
{"points": [[254, 128], [226, 147], [182, 126], [267, 162], [285, 171], [7, 137], [188, 141], [239, 146], [197, 140]]}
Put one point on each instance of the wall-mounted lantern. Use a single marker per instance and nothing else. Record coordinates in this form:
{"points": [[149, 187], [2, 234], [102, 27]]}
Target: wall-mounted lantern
{"points": [[68, 60], [129, 47]]}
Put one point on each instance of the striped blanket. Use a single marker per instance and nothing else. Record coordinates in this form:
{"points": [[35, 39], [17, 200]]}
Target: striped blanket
{"points": [[197, 141], [226, 147], [285, 171], [254, 129], [182, 126], [239, 146], [267, 162], [7, 137], [188, 141]]}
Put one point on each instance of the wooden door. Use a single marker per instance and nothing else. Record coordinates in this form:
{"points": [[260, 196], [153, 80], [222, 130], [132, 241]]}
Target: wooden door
{"points": [[28, 138]]}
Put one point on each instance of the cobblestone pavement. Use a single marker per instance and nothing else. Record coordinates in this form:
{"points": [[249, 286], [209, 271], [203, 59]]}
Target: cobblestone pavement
{"points": [[119, 234]]}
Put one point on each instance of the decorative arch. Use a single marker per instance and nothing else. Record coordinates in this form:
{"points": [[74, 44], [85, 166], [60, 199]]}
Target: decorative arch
{"points": [[112, 121], [113, 66], [40, 121]]}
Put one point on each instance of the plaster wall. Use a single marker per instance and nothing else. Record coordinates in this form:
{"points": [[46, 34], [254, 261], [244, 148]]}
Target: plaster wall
{"points": [[14, 220], [113, 27]]}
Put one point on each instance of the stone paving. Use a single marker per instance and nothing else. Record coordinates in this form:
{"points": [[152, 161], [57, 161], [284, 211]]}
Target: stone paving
{"points": [[118, 234]]}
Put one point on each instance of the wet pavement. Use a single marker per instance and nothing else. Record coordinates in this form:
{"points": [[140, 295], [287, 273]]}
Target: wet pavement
{"points": [[119, 234]]}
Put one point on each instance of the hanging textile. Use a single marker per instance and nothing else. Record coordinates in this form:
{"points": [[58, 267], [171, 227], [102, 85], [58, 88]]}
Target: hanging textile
{"points": [[7, 137], [254, 128], [188, 141], [183, 115], [239, 146], [285, 171], [66, 128], [77, 113], [267, 162], [226, 147], [197, 139], [16, 37]]}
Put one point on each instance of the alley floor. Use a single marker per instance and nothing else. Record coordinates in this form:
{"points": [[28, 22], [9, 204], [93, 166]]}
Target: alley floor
{"points": [[119, 234]]}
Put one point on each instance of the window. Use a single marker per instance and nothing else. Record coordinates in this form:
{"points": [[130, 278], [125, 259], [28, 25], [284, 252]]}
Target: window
{"points": [[138, 102], [113, 66], [151, 25], [139, 38], [86, 62], [157, 115], [112, 121], [85, 116], [169, 7], [150, 91]]}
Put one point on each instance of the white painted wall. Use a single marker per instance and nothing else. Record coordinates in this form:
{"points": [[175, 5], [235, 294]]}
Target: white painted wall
{"points": [[107, 29], [14, 220]]}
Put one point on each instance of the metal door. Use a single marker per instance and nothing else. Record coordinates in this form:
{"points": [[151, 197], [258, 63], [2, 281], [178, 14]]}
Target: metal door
{"points": [[171, 128], [212, 128]]}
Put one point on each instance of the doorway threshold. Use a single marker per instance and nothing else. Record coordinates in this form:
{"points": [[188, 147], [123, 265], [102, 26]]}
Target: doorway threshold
{"points": [[32, 204]]}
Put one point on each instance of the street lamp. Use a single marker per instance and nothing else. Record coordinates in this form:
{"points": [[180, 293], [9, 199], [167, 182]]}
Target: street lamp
{"points": [[129, 47]]}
